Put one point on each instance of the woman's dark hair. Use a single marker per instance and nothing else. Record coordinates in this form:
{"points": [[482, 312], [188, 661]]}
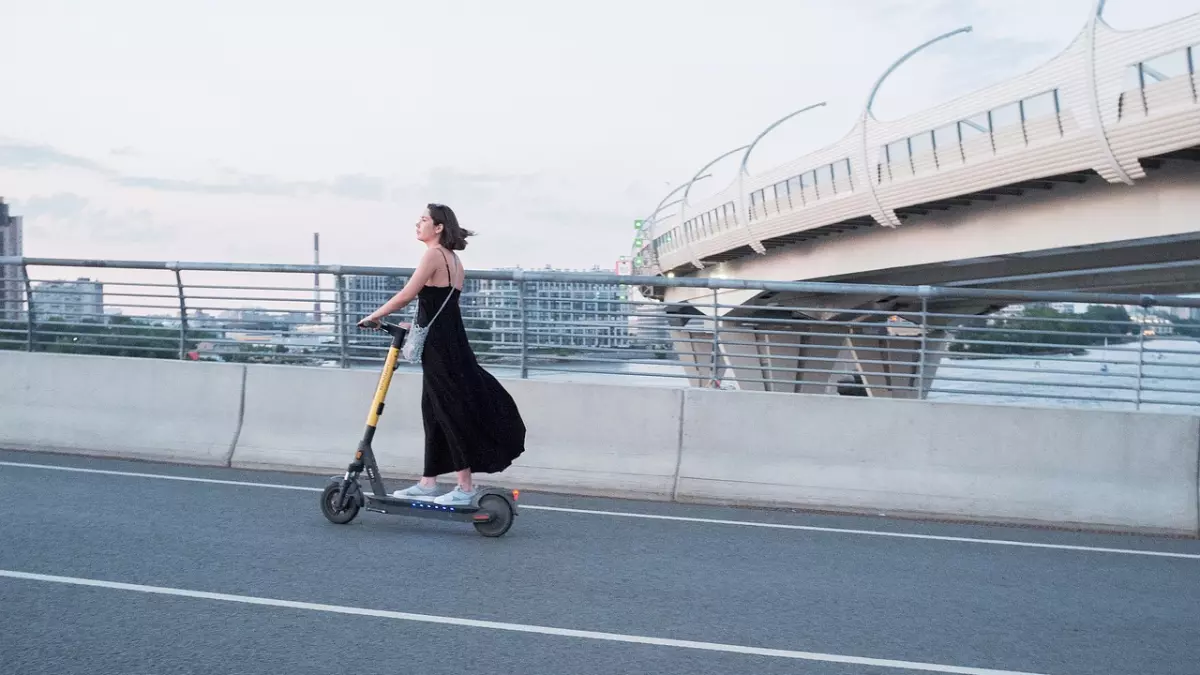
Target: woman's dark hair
{"points": [[454, 236]]}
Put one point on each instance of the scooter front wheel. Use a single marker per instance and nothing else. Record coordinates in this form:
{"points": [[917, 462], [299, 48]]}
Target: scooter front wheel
{"points": [[331, 496]]}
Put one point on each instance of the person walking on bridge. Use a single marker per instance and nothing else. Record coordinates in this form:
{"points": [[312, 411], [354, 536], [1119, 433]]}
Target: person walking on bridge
{"points": [[472, 425]]}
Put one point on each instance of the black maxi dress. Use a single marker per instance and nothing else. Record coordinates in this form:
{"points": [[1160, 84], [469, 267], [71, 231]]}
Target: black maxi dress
{"points": [[471, 421]]}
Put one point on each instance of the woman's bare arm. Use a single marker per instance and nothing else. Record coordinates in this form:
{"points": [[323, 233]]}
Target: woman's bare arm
{"points": [[420, 277]]}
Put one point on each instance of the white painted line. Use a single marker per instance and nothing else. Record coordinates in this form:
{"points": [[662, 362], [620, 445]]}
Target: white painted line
{"points": [[516, 627], [162, 476], [654, 516], [876, 533]]}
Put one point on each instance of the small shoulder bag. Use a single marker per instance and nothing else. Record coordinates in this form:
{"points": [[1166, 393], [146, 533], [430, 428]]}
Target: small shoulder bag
{"points": [[414, 343]]}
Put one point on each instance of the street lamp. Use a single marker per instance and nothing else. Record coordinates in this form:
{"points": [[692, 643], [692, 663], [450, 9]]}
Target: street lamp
{"points": [[649, 220], [662, 204], [743, 171], [868, 114], [769, 129], [688, 188]]}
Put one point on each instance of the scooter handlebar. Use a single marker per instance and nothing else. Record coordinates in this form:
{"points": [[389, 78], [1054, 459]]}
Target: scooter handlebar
{"points": [[384, 326]]}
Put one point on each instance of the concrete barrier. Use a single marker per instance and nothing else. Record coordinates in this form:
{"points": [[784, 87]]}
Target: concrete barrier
{"points": [[1121, 470], [1068, 467], [585, 439], [311, 419], [120, 407], [598, 439]]}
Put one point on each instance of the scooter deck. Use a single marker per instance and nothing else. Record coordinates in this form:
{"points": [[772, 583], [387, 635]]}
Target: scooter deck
{"points": [[428, 509]]}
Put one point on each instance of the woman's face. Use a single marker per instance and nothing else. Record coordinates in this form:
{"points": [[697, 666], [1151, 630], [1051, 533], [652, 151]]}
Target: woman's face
{"points": [[426, 230]]}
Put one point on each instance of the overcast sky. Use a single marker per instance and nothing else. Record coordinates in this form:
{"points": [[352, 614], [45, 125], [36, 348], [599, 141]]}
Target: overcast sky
{"points": [[231, 130]]}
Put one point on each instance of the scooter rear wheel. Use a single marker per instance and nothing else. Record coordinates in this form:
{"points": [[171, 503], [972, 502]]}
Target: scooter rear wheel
{"points": [[501, 513], [330, 497]]}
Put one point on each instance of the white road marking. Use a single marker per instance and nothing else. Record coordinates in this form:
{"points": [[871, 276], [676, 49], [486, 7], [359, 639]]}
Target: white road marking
{"points": [[515, 627], [876, 533], [162, 476], [654, 516]]}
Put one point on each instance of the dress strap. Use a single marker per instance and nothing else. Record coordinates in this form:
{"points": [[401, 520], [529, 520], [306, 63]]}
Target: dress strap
{"points": [[449, 274], [449, 292]]}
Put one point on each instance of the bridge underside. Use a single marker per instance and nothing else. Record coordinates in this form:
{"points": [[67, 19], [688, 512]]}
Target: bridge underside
{"points": [[1075, 232], [818, 342]]}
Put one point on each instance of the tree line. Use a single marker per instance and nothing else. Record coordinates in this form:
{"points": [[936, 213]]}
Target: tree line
{"points": [[117, 336], [1045, 330], [124, 336]]}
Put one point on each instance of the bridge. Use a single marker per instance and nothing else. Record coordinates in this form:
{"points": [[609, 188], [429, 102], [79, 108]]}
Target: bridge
{"points": [[671, 529], [1079, 174], [635, 550], [237, 365]]}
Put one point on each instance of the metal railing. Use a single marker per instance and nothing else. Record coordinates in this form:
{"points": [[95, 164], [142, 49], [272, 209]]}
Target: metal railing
{"points": [[976, 345]]}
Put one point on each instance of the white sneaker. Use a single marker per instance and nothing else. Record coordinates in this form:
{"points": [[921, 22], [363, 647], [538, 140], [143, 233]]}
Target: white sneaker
{"points": [[456, 497], [416, 492]]}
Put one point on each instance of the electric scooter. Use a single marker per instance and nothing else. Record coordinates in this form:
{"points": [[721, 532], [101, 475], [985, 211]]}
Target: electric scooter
{"points": [[491, 511]]}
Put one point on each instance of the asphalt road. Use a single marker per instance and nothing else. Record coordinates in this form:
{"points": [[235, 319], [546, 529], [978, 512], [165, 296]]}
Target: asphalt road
{"points": [[140, 574]]}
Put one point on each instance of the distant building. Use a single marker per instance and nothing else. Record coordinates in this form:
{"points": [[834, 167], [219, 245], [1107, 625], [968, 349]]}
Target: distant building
{"points": [[578, 314], [556, 314], [648, 325], [12, 282], [79, 300], [1069, 307], [363, 295]]}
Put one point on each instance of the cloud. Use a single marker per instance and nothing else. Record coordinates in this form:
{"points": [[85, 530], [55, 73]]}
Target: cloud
{"points": [[25, 156], [368, 188], [69, 216], [451, 186], [17, 155], [59, 205], [358, 186], [245, 185], [587, 212]]}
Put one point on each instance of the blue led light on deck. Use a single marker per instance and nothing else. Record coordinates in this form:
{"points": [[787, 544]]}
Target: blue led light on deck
{"points": [[430, 506]]}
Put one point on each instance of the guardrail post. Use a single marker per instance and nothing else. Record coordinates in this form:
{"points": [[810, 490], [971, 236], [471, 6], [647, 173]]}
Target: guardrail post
{"points": [[921, 355], [343, 339], [1141, 360], [183, 326], [521, 309], [29, 315], [1137, 392], [1146, 303], [716, 343]]}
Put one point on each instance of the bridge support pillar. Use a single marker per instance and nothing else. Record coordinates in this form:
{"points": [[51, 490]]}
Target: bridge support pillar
{"points": [[762, 361], [811, 357], [791, 358], [818, 358], [896, 366], [694, 350]]}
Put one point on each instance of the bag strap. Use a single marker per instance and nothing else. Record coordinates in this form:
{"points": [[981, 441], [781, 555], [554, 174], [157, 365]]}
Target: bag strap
{"points": [[449, 277]]}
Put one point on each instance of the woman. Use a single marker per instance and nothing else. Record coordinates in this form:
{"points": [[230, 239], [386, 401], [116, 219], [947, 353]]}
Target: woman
{"points": [[472, 424]]}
